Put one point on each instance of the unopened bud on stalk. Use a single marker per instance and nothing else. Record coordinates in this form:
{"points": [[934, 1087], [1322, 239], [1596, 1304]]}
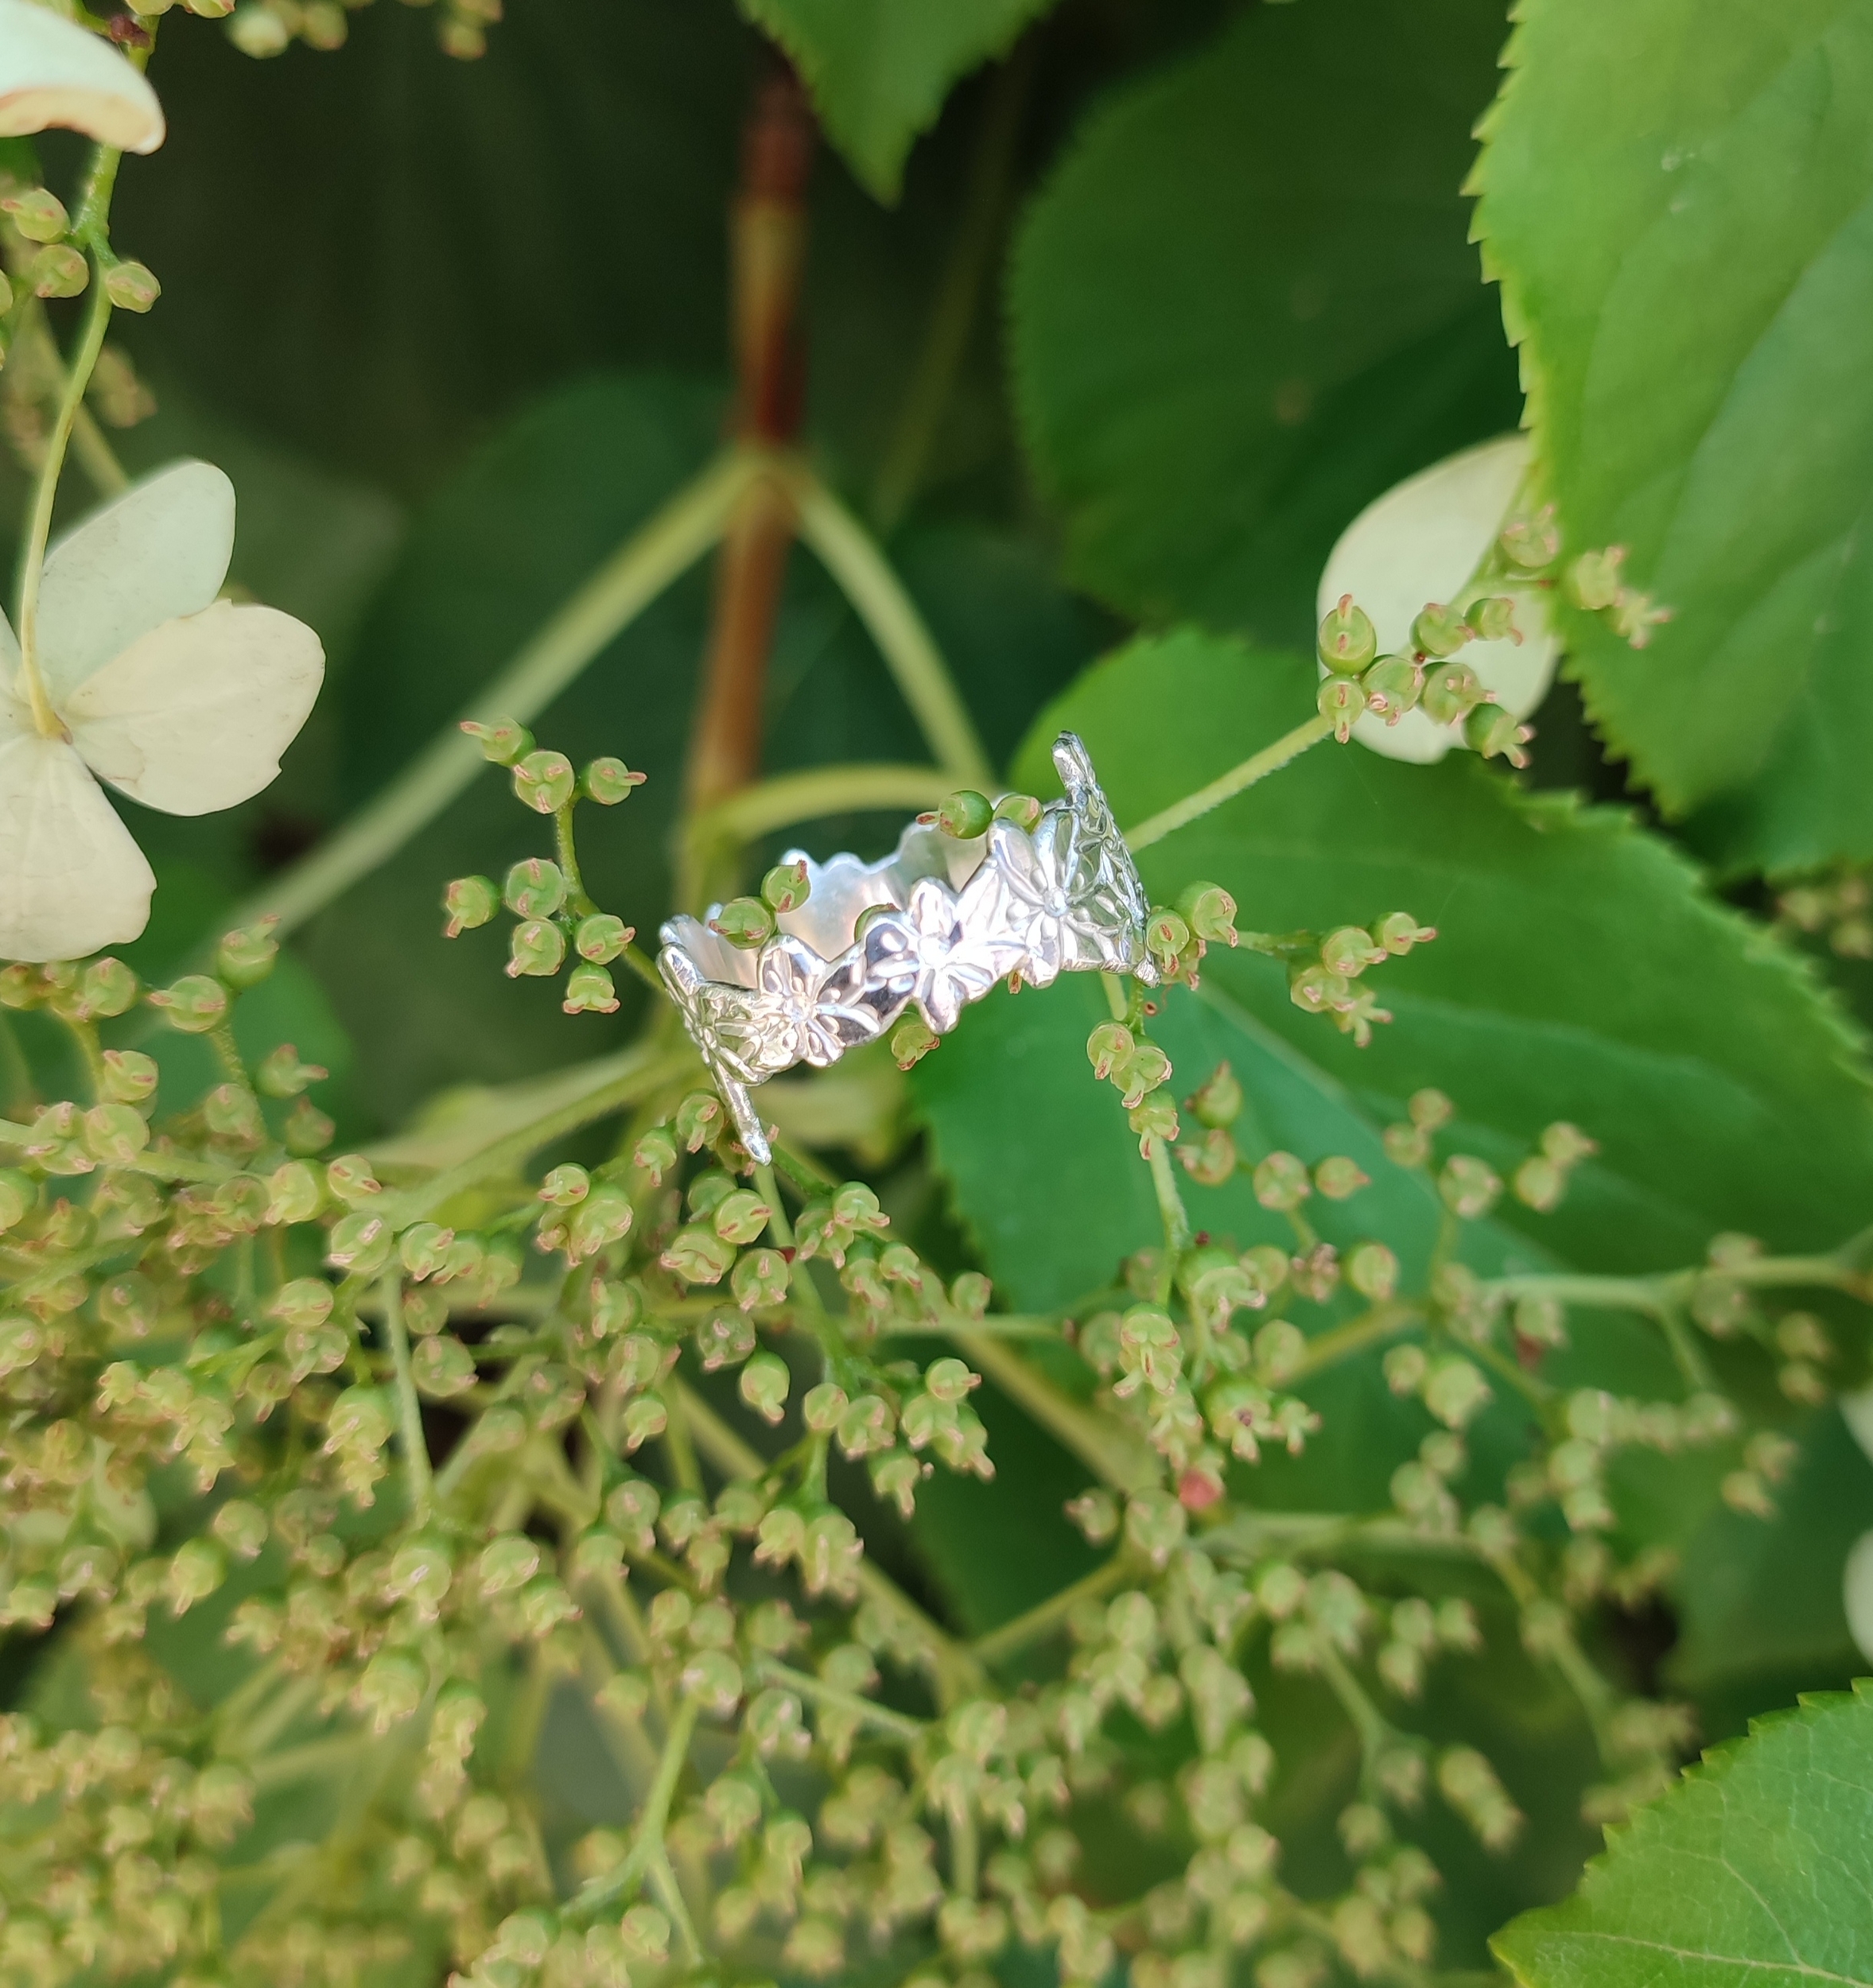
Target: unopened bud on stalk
{"points": [[1440, 630], [1166, 935], [535, 889], [1348, 641], [1592, 580], [131, 286], [1532, 543], [194, 1004], [58, 271], [1218, 1100], [609, 781], [282, 1075], [544, 782], [602, 938], [259, 30], [787, 886], [1398, 932], [503, 740], [965, 814], [537, 949], [1495, 733], [1392, 687], [1452, 690], [1022, 810], [589, 990], [745, 921], [470, 901], [37, 213], [1493, 620], [911, 1041], [1209, 911], [1343, 703], [245, 958], [129, 1076]]}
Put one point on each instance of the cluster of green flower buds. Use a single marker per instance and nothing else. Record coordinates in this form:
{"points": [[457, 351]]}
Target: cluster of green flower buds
{"points": [[1323, 969], [555, 920], [1427, 678], [52, 260], [751, 921], [1140, 1072]]}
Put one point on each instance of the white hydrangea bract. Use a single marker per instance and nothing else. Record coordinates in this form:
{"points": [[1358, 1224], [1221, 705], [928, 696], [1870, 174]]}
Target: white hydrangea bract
{"points": [[182, 701], [54, 72], [1419, 543]]}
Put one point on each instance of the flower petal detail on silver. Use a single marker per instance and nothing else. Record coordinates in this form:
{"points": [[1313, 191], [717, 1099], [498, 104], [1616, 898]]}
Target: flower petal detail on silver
{"points": [[945, 922]]}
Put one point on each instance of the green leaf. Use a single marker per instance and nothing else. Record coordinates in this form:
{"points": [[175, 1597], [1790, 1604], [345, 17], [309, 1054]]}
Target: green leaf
{"points": [[879, 70], [1757, 1866], [1678, 202], [1245, 304]]}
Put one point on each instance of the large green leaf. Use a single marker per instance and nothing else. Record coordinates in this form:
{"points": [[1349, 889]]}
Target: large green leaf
{"points": [[879, 70], [1245, 304], [1757, 1867], [1678, 200]]}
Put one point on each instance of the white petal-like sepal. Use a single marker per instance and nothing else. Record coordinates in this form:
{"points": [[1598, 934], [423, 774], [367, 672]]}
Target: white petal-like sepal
{"points": [[160, 549], [193, 716], [71, 877], [54, 72], [1420, 542]]}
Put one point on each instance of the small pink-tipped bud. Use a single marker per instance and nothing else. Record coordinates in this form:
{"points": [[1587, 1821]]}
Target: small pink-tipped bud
{"points": [[544, 782], [37, 213], [503, 740], [787, 886], [1452, 690], [1343, 703], [536, 950], [609, 781], [602, 938], [1347, 641], [1496, 733], [535, 889], [1592, 580], [1493, 620], [194, 1004], [1392, 687], [1532, 543], [744, 922], [131, 286], [965, 814], [589, 989], [470, 901], [1440, 630], [58, 271], [1022, 810]]}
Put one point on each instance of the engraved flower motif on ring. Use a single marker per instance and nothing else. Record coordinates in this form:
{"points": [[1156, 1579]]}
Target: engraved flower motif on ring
{"points": [[1065, 904], [940, 951]]}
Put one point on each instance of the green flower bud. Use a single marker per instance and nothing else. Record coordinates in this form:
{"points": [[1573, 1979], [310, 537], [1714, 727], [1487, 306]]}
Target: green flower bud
{"points": [[760, 1280], [1493, 620], [544, 782], [602, 938], [470, 901], [232, 1112], [1592, 580], [1532, 543], [604, 1216], [282, 1075], [1212, 1160], [1110, 1045], [823, 1406], [241, 1526], [1495, 733], [391, 1687], [536, 950], [746, 922], [196, 1569], [20, 986], [1347, 640], [1451, 692], [566, 1186], [965, 814], [654, 1154], [115, 1134], [423, 1248], [698, 1119], [786, 886], [608, 781], [17, 1197], [589, 990], [1392, 687], [1166, 935], [37, 213], [1440, 630], [1398, 932], [132, 286], [1350, 951], [697, 1256], [724, 1339], [1339, 1179], [764, 1385], [195, 1004], [1022, 810], [442, 1366], [535, 889], [352, 1178], [1209, 911], [245, 958], [360, 1244], [307, 1129], [305, 1302], [503, 740], [58, 271], [1280, 1182], [1343, 703], [1469, 1188], [1217, 1100], [1372, 1270], [259, 30], [741, 1217], [108, 988], [911, 1041]]}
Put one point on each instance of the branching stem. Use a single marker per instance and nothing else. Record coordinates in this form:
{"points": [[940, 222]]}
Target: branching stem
{"points": [[1227, 786]]}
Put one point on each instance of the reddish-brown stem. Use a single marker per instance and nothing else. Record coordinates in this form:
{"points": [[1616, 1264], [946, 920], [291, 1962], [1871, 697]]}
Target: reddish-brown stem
{"points": [[768, 237]]}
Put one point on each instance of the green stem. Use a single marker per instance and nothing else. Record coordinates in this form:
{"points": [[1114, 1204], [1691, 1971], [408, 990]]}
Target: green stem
{"points": [[1046, 1616], [648, 1842], [648, 563], [1382, 1323], [90, 342], [852, 556], [899, 1725], [1237, 780], [409, 1415], [567, 849], [812, 795]]}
